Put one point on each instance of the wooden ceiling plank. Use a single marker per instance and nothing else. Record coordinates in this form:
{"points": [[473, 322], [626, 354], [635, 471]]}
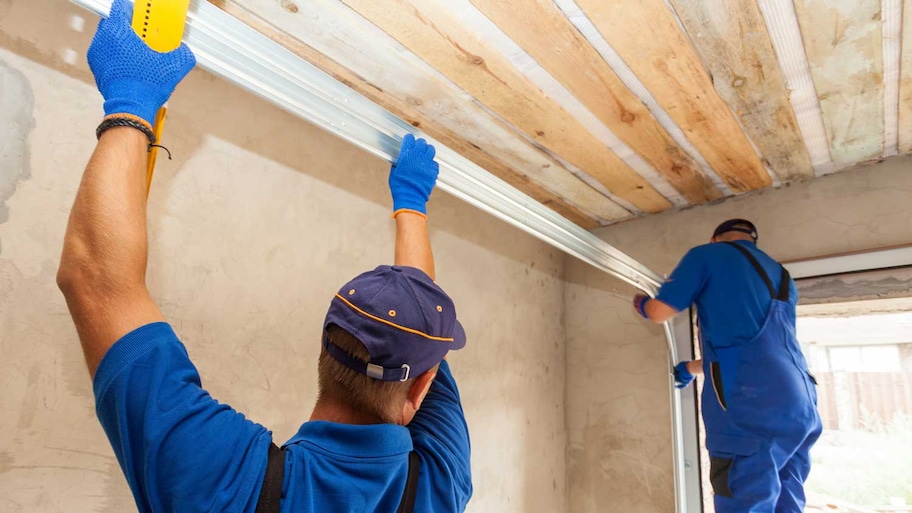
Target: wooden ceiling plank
{"points": [[572, 60], [844, 45], [647, 36], [464, 127], [430, 32], [905, 84], [732, 39]]}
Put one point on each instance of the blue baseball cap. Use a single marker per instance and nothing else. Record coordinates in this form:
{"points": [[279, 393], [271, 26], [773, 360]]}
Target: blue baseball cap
{"points": [[404, 319]]}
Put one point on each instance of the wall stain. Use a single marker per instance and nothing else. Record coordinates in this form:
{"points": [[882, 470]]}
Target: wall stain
{"points": [[17, 104]]}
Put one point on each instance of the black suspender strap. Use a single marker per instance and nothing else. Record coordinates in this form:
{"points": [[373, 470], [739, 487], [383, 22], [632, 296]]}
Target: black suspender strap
{"points": [[411, 485], [783, 293], [271, 493], [784, 284]]}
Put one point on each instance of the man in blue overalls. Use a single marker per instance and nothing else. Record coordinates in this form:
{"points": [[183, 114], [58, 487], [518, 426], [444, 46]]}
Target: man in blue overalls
{"points": [[760, 404]]}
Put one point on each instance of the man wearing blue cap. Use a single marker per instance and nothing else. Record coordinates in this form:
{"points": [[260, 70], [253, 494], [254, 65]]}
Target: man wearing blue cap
{"points": [[388, 432], [760, 405]]}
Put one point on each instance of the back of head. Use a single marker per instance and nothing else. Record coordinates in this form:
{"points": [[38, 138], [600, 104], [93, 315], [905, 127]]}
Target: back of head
{"points": [[359, 392], [386, 331], [735, 229]]}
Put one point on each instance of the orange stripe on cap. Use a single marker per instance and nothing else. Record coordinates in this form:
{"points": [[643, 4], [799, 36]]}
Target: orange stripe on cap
{"points": [[384, 321]]}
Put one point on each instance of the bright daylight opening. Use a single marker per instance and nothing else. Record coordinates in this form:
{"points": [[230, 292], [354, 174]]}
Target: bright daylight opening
{"points": [[861, 355]]}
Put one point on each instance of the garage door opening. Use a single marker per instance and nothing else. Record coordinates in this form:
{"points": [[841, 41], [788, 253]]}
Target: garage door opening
{"points": [[861, 355]]}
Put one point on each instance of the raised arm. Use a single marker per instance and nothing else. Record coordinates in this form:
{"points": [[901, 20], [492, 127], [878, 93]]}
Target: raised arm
{"points": [[653, 309], [679, 291], [103, 266], [411, 181]]}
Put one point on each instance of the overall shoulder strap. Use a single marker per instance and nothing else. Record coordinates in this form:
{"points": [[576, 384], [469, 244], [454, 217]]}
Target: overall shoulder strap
{"points": [[783, 285], [271, 493], [411, 485], [784, 290]]}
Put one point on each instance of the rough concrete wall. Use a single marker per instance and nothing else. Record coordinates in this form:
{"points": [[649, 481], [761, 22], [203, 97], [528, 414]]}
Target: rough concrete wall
{"points": [[253, 227], [617, 401]]}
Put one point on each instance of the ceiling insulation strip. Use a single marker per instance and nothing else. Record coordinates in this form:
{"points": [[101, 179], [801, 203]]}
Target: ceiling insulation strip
{"points": [[589, 31], [234, 51], [891, 14], [785, 33]]}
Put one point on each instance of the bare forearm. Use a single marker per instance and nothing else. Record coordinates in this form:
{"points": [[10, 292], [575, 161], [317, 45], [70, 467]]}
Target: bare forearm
{"points": [[695, 367], [102, 269], [107, 226], [413, 243], [659, 312]]}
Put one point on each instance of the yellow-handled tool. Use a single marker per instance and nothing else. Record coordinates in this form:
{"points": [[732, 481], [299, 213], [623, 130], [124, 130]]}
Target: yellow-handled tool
{"points": [[160, 23]]}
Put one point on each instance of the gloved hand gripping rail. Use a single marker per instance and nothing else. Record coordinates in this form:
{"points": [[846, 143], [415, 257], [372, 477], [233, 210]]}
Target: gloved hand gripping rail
{"points": [[137, 74]]}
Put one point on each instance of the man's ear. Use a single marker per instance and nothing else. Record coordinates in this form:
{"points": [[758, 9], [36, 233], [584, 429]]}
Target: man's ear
{"points": [[416, 394], [419, 389]]}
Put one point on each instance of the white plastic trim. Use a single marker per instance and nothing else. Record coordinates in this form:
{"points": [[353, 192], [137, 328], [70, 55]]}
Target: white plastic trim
{"points": [[840, 264], [785, 33], [891, 14]]}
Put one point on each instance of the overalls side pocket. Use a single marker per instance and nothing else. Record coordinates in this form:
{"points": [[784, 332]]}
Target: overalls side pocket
{"points": [[724, 373]]}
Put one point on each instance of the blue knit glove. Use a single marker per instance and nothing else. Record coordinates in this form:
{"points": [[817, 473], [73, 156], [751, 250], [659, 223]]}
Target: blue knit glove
{"points": [[413, 176], [133, 78], [683, 377]]}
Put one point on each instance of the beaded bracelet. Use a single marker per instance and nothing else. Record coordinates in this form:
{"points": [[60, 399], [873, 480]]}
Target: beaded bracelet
{"points": [[119, 120]]}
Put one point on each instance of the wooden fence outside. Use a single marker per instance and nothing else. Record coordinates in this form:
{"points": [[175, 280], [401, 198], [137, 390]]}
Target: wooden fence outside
{"points": [[863, 400]]}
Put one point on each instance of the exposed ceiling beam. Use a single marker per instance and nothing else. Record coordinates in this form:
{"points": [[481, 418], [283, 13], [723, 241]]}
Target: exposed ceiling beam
{"points": [[647, 36], [572, 60], [591, 34], [479, 27], [431, 33], [843, 43], [732, 39]]}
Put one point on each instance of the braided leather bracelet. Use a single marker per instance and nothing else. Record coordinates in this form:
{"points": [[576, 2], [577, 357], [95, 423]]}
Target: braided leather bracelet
{"points": [[131, 122]]}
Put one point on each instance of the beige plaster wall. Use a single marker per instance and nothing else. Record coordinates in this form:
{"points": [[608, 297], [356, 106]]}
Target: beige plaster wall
{"points": [[863, 208], [619, 430], [617, 400], [254, 225]]}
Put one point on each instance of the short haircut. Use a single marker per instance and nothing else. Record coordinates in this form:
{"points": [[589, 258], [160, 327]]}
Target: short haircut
{"points": [[382, 399]]}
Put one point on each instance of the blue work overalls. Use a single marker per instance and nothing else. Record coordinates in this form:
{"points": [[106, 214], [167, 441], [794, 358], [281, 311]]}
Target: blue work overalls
{"points": [[760, 411]]}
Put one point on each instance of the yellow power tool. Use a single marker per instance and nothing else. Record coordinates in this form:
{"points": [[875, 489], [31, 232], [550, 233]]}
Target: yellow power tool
{"points": [[160, 23]]}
